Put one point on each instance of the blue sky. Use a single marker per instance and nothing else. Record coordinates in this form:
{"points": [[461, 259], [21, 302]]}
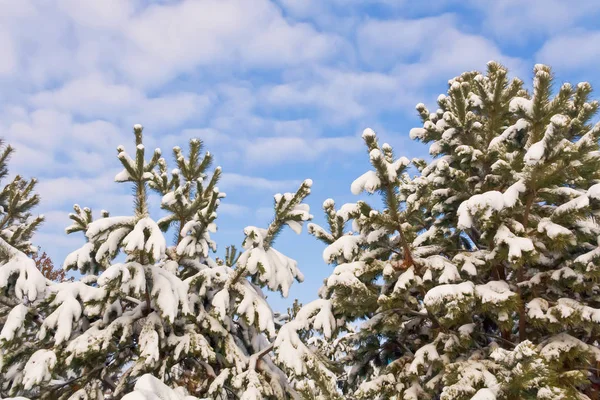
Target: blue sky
{"points": [[278, 90]]}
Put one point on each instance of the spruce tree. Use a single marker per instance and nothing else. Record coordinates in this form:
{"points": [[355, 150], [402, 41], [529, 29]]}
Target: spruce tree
{"points": [[161, 313], [478, 280], [22, 285]]}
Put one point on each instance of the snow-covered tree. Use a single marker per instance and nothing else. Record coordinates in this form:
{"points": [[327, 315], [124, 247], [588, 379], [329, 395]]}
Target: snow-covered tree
{"points": [[478, 280], [17, 200], [168, 313], [355, 288], [21, 283]]}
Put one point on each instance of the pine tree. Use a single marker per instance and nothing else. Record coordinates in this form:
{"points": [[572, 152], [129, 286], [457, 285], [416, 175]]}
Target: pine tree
{"points": [[478, 280], [17, 226], [21, 284], [166, 313], [355, 288]]}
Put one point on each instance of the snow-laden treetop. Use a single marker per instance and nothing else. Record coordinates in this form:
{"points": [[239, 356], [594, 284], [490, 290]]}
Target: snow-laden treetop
{"points": [[142, 306]]}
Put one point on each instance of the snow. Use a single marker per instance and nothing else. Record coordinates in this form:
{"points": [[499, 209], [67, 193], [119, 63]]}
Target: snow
{"points": [[369, 182], [469, 262], [346, 275], [417, 133], [368, 133], [346, 210], [149, 387], [292, 353], [594, 192], [62, 318], [122, 176], [575, 204], [449, 271], [438, 295], [424, 355], [375, 155], [559, 120], [484, 394], [472, 374], [535, 153], [155, 245], [511, 195], [110, 246], [149, 343], [536, 308], [131, 276], [138, 127], [103, 224], [567, 307], [79, 258], [38, 368], [494, 292], [589, 257], [488, 202], [467, 329], [415, 392], [427, 235], [516, 245], [30, 284], [274, 269], [346, 247], [324, 321], [220, 303], [301, 210], [290, 350], [509, 133], [169, 293], [449, 134], [190, 341], [406, 279], [554, 347], [475, 100], [521, 103], [554, 230], [252, 306], [371, 389], [14, 322]]}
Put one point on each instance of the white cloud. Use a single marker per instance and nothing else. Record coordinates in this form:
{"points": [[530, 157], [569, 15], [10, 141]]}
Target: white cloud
{"points": [[50, 143], [264, 214], [577, 51], [66, 191], [379, 45], [237, 181], [8, 61], [520, 21], [235, 210], [149, 46], [278, 150], [106, 14], [94, 96], [58, 245], [89, 96], [170, 39], [265, 151], [442, 52], [339, 95], [406, 57]]}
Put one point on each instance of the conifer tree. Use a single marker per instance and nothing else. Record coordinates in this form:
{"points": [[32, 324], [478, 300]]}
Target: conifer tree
{"points": [[478, 280], [167, 314], [21, 283]]}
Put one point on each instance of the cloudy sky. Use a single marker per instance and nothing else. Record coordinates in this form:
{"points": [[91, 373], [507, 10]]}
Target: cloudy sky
{"points": [[278, 90]]}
